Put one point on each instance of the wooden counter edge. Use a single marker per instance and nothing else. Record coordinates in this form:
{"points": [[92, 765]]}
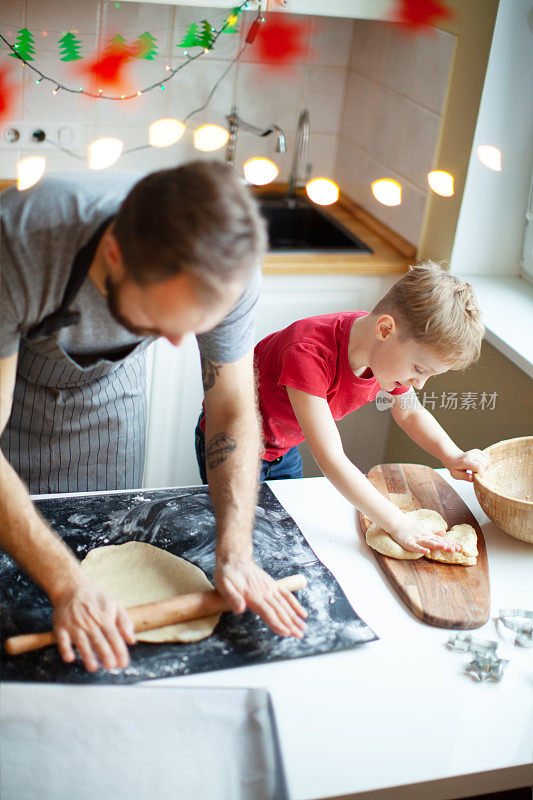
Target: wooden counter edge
{"points": [[392, 254]]}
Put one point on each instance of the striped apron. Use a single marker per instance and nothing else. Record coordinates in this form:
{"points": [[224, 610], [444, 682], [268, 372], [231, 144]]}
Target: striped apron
{"points": [[76, 428]]}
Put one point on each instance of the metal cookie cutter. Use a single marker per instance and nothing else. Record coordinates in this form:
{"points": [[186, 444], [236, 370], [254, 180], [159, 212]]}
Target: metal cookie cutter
{"points": [[520, 621], [486, 664]]}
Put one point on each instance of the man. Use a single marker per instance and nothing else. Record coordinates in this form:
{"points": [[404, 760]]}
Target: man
{"points": [[93, 268]]}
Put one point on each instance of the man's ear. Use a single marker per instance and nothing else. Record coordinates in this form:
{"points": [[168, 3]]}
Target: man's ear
{"points": [[113, 256], [385, 326]]}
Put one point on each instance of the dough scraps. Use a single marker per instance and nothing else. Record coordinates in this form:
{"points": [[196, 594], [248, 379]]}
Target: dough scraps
{"points": [[136, 573], [464, 536], [381, 541]]}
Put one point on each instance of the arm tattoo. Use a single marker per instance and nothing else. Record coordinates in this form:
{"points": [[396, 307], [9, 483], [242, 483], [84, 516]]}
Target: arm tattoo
{"points": [[209, 373], [219, 449]]}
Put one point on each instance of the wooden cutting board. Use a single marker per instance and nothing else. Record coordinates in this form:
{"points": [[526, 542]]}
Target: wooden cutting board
{"points": [[445, 595]]}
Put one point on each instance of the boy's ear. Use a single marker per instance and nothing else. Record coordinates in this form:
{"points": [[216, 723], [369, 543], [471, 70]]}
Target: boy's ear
{"points": [[113, 256], [385, 326]]}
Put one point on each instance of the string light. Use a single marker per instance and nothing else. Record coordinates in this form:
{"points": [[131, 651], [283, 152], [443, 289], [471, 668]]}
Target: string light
{"points": [[260, 171], [102, 153], [490, 156], [441, 182], [29, 171], [210, 137], [387, 191], [322, 191], [165, 132]]}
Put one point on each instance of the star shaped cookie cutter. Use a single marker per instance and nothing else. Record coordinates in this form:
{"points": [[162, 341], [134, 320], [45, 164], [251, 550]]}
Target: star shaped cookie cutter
{"points": [[520, 621], [486, 664]]}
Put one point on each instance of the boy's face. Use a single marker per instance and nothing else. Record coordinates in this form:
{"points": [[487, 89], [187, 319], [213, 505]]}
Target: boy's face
{"points": [[398, 362]]}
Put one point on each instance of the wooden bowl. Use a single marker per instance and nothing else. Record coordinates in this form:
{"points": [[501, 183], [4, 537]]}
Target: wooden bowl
{"points": [[505, 492]]}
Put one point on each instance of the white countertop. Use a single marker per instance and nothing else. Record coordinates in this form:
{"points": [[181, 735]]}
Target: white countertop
{"points": [[395, 719], [399, 711]]}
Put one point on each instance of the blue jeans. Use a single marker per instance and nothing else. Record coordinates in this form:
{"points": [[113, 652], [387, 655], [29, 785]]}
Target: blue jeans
{"points": [[288, 465]]}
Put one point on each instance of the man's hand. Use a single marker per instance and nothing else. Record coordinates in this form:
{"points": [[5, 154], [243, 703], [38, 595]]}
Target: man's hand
{"points": [[417, 537], [245, 585], [463, 465], [96, 625]]}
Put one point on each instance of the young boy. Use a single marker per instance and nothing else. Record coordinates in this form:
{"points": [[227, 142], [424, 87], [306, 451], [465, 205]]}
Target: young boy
{"points": [[320, 369]]}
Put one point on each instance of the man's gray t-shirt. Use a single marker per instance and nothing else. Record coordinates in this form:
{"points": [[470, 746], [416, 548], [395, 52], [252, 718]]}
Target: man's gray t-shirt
{"points": [[42, 230], [78, 417]]}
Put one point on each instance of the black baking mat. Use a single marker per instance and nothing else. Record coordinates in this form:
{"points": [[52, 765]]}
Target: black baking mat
{"points": [[180, 521]]}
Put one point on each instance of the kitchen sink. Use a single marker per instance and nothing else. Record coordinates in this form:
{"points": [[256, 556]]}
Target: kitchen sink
{"points": [[294, 224]]}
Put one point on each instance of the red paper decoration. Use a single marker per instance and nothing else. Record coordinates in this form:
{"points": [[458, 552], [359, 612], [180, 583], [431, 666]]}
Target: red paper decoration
{"points": [[280, 42], [7, 93], [109, 70], [417, 13]]}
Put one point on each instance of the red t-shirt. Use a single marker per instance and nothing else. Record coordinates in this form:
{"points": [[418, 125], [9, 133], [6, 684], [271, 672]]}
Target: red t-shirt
{"points": [[310, 355]]}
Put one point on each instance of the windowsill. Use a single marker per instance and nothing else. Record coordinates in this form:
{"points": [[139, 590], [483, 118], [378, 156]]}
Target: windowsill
{"points": [[507, 307]]}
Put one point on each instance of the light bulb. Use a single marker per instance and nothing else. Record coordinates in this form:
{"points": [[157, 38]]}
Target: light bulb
{"points": [[104, 152], [322, 191], [441, 182], [260, 171], [490, 156], [210, 137], [165, 132], [29, 171], [387, 191]]}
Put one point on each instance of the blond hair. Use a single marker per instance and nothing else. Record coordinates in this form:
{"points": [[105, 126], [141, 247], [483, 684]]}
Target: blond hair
{"points": [[438, 310]]}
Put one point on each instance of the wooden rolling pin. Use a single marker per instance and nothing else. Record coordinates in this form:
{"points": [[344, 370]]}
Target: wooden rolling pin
{"points": [[155, 615]]}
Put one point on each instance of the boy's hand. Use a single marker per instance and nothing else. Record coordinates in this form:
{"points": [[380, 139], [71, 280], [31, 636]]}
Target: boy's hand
{"points": [[417, 537], [463, 466], [245, 585]]}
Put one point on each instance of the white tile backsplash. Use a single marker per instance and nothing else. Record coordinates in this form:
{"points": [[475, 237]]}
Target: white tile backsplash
{"points": [[392, 115], [417, 152], [397, 58], [263, 99], [190, 88], [323, 95], [367, 44], [360, 104], [331, 41], [132, 19], [12, 16], [434, 54], [57, 17], [387, 137]]}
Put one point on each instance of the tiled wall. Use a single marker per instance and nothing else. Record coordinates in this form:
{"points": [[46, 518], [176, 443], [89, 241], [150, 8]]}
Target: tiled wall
{"points": [[375, 96], [263, 96], [395, 92]]}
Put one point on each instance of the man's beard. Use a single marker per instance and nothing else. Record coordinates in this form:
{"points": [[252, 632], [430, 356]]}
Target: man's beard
{"points": [[112, 304]]}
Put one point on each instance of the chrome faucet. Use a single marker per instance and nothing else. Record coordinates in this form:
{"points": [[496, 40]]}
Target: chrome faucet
{"points": [[301, 148], [235, 122]]}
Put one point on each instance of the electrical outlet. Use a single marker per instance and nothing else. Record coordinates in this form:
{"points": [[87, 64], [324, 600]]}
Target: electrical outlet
{"points": [[27, 135]]}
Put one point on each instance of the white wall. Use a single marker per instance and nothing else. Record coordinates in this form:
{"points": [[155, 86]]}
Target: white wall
{"points": [[492, 218]]}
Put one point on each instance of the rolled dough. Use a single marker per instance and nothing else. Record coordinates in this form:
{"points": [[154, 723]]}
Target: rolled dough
{"points": [[465, 536], [136, 573], [381, 541]]}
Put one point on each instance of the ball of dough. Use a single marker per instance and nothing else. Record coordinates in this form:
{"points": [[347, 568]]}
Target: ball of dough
{"points": [[466, 537], [381, 541], [136, 573]]}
